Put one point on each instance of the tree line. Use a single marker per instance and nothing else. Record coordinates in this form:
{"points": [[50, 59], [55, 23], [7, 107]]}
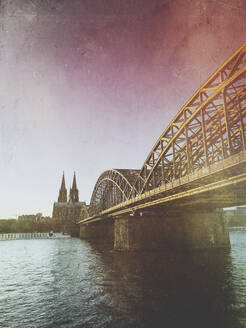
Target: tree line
{"points": [[30, 223]]}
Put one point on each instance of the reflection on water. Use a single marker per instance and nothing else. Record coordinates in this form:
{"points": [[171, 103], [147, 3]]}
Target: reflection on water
{"points": [[72, 283]]}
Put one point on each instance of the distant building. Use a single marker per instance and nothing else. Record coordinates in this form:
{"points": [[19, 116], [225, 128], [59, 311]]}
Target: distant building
{"points": [[68, 213], [237, 211], [30, 217], [235, 217], [241, 211]]}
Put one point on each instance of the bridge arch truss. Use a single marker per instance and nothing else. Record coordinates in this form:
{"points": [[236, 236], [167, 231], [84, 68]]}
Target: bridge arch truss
{"points": [[112, 187], [211, 126]]}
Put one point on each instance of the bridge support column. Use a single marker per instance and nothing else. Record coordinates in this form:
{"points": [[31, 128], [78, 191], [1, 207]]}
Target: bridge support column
{"points": [[98, 231], [190, 230]]}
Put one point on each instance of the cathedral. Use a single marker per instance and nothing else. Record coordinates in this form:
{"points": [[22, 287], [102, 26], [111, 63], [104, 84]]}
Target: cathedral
{"points": [[68, 212]]}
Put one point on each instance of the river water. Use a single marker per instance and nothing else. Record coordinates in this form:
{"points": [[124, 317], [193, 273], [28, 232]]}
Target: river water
{"points": [[69, 283]]}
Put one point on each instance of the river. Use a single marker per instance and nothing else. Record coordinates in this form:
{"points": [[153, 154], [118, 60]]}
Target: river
{"points": [[69, 283]]}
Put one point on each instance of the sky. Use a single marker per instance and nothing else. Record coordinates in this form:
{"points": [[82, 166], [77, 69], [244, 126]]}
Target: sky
{"points": [[90, 85]]}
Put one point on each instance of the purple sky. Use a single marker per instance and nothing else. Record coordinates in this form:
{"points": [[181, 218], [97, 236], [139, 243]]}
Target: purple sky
{"points": [[90, 85]]}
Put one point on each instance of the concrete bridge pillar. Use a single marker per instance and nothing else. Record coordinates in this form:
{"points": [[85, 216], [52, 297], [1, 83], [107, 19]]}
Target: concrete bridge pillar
{"points": [[183, 230]]}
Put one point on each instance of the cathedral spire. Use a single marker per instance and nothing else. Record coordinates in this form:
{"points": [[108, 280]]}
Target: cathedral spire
{"points": [[63, 187], [74, 182], [62, 198], [74, 193]]}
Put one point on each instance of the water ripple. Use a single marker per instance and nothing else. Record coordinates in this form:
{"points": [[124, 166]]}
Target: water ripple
{"points": [[71, 283]]}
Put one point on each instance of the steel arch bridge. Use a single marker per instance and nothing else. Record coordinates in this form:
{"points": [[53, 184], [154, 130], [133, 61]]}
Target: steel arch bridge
{"points": [[208, 129]]}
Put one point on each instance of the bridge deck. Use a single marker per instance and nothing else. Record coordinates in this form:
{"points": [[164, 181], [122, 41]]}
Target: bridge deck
{"points": [[223, 179]]}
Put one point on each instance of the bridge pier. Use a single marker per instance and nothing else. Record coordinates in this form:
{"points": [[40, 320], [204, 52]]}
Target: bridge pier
{"points": [[193, 229], [98, 231]]}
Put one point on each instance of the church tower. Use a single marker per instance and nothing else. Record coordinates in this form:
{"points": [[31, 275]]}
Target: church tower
{"points": [[62, 198], [74, 193], [66, 214]]}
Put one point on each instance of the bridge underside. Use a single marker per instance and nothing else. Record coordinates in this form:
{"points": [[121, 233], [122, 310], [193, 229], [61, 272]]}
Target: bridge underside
{"points": [[181, 229]]}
